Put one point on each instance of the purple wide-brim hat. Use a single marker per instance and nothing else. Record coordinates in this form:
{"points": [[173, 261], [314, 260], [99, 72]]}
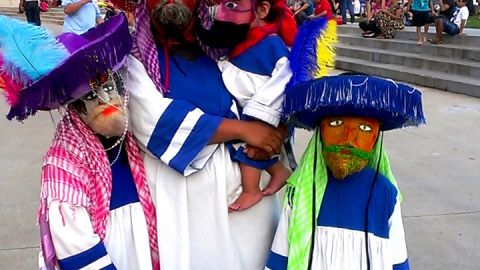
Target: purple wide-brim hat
{"points": [[100, 49]]}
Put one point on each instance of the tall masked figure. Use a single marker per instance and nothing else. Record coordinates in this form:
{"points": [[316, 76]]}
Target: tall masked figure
{"points": [[342, 206], [95, 211], [185, 119]]}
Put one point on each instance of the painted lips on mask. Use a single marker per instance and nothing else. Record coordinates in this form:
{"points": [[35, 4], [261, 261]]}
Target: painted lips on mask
{"points": [[222, 35]]}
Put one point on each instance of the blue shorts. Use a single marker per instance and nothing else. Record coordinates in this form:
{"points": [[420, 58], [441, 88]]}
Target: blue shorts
{"points": [[450, 28]]}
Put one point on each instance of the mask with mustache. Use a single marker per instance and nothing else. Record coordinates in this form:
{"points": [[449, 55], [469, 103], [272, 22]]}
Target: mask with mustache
{"points": [[344, 161], [222, 35]]}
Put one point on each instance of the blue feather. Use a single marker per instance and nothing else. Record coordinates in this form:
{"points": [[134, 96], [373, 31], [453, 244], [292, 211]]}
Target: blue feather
{"points": [[303, 57], [29, 51]]}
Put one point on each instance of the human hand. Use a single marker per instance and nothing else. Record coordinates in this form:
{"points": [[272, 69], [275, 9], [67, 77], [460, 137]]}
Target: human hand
{"points": [[263, 136], [256, 153]]}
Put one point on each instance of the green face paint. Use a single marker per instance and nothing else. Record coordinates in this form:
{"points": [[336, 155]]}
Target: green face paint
{"points": [[348, 150], [344, 160]]}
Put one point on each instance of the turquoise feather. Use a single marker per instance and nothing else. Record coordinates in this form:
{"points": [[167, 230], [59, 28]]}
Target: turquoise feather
{"points": [[29, 51]]}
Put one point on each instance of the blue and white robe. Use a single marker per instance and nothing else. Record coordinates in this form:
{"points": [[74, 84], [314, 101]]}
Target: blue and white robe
{"points": [[257, 79], [126, 245], [193, 183], [339, 242]]}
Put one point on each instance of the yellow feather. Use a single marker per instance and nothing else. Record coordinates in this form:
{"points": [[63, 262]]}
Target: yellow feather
{"points": [[326, 50]]}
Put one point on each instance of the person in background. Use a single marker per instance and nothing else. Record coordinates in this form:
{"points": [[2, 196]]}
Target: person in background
{"points": [[421, 17], [302, 9], [32, 11], [369, 26], [390, 20], [322, 9], [451, 20], [80, 15], [344, 6]]}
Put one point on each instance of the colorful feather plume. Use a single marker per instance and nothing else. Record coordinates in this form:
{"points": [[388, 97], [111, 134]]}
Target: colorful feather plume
{"points": [[313, 53], [29, 52]]}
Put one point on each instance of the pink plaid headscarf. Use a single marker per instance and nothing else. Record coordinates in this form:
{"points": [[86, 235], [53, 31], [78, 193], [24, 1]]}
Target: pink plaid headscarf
{"points": [[76, 170]]}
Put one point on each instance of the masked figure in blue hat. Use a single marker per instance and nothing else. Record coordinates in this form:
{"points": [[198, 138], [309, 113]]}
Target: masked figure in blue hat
{"points": [[342, 205]]}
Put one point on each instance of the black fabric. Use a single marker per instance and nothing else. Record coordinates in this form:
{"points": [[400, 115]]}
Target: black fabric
{"points": [[222, 35], [32, 11], [451, 8]]}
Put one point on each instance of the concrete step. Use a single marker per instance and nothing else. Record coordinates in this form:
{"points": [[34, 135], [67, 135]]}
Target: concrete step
{"points": [[398, 45], [42, 19], [414, 60], [43, 15], [444, 81], [471, 38]]}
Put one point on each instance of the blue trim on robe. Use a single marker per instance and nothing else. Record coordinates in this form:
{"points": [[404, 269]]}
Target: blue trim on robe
{"points": [[198, 82], [239, 156], [167, 126], [84, 258], [124, 191], [199, 137], [109, 267], [345, 202], [277, 261], [262, 57], [402, 266]]}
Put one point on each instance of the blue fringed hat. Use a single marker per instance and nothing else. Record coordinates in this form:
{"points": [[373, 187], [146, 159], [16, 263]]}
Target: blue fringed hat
{"points": [[312, 95], [396, 105], [44, 72]]}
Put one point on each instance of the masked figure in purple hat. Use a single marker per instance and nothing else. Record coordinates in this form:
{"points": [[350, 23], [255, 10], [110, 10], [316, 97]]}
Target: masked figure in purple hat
{"points": [[95, 211]]}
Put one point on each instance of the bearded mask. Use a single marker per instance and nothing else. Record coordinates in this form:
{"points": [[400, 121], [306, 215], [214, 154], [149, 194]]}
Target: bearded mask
{"points": [[102, 109], [348, 143]]}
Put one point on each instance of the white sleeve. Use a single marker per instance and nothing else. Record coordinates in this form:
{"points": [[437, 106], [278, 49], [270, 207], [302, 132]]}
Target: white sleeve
{"points": [[266, 103], [76, 245], [174, 131], [397, 236], [278, 258]]}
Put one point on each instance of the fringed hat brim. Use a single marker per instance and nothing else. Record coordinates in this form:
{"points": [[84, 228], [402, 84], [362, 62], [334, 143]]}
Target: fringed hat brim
{"points": [[396, 105], [108, 47]]}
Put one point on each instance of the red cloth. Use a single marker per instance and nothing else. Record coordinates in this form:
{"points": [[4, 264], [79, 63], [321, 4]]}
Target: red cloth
{"points": [[285, 26], [323, 5]]}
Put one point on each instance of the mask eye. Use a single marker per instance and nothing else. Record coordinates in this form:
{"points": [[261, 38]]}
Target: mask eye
{"points": [[365, 127], [230, 5], [335, 123], [90, 96]]}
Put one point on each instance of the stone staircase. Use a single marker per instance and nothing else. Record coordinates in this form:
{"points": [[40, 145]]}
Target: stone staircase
{"points": [[452, 66], [54, 15]]}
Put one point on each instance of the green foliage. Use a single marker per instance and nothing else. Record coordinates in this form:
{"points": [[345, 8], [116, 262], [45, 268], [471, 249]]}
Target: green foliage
{"points": [[473, 21]]}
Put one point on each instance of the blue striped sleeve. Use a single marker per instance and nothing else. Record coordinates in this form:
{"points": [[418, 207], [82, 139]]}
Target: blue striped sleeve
{"points": [[181, 133], [198, 138], [84, 258], [277, 261], [167, 126], [109, 267], [402, 266]]}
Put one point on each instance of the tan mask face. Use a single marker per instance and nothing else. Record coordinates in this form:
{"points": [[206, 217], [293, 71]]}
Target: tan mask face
{"points": [[348, 143], [103, 107]]}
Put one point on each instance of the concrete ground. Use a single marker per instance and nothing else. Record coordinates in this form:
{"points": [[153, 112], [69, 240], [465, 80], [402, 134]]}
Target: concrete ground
{"points": [[437, 167]]}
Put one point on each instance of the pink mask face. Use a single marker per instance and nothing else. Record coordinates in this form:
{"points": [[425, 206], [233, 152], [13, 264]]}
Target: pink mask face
{"points": [[235, 11]]}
